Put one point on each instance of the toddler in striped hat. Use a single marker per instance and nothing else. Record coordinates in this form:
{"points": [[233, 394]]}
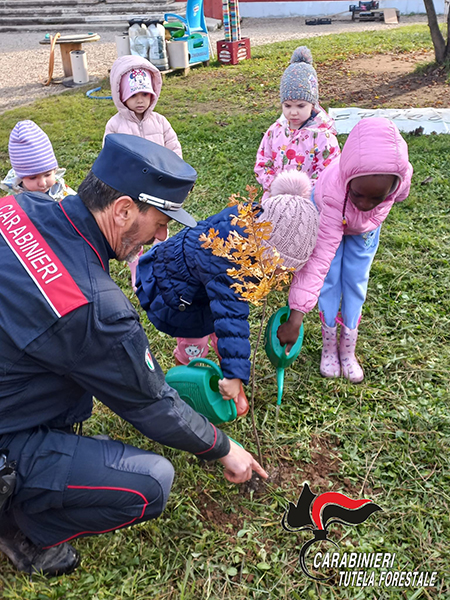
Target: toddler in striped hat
{"points": [[34, 165]]}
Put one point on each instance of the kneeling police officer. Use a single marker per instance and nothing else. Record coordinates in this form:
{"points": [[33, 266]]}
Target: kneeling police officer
{"points": [[68, 333]]}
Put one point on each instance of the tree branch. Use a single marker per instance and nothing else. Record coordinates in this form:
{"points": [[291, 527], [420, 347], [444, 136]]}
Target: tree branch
{"points": [[252, 400]]}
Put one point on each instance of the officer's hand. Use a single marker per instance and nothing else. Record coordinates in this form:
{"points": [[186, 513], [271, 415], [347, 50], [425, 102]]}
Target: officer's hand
{"points": [[240, 464], [289, 331], [229, 388]]}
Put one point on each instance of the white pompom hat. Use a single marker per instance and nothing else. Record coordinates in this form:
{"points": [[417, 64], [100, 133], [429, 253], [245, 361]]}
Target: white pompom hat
{"points": [[294, 218]]}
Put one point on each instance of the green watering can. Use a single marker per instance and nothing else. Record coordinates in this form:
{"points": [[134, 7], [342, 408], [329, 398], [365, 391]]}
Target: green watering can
{"points": [[276, 353], [198, 386]]}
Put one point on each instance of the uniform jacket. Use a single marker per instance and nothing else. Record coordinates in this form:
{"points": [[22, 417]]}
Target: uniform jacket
{"points": [[309, 149], [375, 148], [59, 190], [186, 292], [153, 127], [68, 333]]}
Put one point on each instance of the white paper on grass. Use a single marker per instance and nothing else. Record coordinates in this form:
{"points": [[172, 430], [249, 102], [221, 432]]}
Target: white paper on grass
{"points": [[432, 120]]}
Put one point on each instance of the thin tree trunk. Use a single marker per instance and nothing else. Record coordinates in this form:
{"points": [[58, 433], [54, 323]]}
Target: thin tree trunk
{"points": [[447, 47], [252, 401], [440, 48]]}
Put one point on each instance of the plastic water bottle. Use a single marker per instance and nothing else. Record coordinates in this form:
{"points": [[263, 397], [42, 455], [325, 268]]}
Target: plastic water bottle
{"points": [[157, 53]]}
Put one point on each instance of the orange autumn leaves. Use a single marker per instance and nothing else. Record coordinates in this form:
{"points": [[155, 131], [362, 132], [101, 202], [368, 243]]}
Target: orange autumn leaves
{"points": [[258, 269]]}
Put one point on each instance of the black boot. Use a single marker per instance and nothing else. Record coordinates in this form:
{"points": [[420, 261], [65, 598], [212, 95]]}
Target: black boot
{"points": [[29, 558]]}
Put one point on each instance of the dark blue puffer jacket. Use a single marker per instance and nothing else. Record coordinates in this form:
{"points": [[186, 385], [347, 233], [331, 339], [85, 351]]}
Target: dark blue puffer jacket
{"points": [[186, 292]]}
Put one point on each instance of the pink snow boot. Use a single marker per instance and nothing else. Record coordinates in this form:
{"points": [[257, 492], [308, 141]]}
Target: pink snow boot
{"points": [[351, 369], [329, 363]]}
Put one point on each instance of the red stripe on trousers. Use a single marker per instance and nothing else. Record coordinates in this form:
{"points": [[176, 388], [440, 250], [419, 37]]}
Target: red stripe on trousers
{"points": [[85, 487]]}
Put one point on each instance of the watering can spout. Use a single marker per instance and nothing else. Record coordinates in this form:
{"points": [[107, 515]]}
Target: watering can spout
{"points": [[276, 352], [280, 385]]}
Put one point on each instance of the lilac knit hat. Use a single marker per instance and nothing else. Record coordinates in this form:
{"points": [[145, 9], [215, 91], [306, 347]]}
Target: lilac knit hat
{"points": [[294, 218], [30, 150], [299, 81]]}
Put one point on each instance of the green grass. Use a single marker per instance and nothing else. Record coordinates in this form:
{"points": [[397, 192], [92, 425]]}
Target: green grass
{"points": [[387, 438]]}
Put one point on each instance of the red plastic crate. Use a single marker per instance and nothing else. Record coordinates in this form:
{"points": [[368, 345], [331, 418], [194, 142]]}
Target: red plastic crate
{"points": [[230, 53]]}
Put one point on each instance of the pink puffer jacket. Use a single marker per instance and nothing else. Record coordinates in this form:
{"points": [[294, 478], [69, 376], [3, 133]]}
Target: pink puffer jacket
{"points": [[153, 127], [374, 146], [309, 149]]}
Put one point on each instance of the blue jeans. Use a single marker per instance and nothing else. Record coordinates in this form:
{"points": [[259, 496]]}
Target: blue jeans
{"points": [[345, 285]]}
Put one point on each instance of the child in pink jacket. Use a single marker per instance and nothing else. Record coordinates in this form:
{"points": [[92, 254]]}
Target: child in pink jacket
{"points": [[135, 88], [354, 196], [303, 138]]}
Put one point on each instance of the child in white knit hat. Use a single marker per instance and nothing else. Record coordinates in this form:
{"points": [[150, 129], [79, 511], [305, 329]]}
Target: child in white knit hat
{"points": [[188, 294], [303, 138], [34, 165]]}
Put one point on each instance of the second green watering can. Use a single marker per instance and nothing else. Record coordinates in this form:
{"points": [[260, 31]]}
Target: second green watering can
{"points": [[276, 353], [198, 386]]}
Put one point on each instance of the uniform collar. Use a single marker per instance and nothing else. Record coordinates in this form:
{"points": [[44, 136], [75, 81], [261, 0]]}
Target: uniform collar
{"points": [[84, 223]]}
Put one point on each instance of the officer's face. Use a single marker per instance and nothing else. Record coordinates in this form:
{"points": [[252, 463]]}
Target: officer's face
{"points": [[143, 230]]}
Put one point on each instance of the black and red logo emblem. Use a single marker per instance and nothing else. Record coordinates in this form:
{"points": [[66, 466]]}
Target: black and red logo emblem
{"points": [[316, 513]]}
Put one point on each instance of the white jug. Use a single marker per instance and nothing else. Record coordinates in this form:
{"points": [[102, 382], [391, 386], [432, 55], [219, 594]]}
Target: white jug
{"points": [[157, 53]]}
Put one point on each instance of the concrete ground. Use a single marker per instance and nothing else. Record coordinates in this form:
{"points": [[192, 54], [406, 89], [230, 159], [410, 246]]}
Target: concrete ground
{"points": [[24, 62]]}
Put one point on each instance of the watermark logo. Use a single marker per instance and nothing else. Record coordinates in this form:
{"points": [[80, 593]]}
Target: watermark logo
{"points": [[316, 513]]}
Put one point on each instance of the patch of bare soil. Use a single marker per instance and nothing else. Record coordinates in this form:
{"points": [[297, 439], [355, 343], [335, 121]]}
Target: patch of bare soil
{"points": [[286, 474], [322, 471], [385, 80], [402, 80]]}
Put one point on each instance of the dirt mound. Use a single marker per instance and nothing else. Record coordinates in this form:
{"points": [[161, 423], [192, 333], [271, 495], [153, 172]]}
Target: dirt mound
{"points": [[385, 80]]}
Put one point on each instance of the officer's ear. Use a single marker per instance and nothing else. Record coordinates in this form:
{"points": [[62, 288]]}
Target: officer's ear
{"points": [[124, 210]]}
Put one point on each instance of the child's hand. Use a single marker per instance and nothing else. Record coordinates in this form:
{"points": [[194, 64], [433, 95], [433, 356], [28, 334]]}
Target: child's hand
{"points": [[289, 331], [229, 388]]}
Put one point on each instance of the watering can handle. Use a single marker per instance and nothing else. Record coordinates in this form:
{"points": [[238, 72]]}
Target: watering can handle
{"points": [[233, 440], [208, 362]]}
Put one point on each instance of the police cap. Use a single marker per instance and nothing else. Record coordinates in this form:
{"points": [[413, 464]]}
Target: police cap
{"points": [[146, 172]]}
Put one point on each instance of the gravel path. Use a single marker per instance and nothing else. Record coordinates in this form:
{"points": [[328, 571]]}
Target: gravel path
{"points": [[24, 62]]}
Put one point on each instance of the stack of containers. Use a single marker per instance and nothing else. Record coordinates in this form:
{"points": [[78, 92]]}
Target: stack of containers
{"points": [[235, 20], [233, 48]]}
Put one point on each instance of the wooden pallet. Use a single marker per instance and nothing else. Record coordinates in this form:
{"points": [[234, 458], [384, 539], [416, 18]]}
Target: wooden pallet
{"points": [[185, 70]]}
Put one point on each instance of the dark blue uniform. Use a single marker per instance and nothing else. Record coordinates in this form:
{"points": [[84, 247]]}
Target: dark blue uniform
{"points": [[68, 333]]}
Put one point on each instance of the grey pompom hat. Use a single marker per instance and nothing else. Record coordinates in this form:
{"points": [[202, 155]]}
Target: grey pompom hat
{"points": [[299, 81]]}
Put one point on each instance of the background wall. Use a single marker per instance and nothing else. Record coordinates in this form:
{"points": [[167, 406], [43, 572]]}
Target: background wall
{"points": [[295, 8]]}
